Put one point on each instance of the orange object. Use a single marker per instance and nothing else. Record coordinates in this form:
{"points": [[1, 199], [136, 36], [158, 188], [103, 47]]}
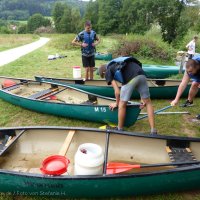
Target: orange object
{"points": [[55, 165], [8, 83]]}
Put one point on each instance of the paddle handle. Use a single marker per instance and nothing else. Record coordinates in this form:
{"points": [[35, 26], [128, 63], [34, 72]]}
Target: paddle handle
{"points": [[66, 143]]}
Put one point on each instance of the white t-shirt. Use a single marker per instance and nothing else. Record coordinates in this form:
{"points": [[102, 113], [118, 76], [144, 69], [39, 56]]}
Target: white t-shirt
{"points": [[191, 47]]}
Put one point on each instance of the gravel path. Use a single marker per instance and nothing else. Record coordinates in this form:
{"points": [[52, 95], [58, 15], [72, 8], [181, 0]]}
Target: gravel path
{"points": [[13, 54]]}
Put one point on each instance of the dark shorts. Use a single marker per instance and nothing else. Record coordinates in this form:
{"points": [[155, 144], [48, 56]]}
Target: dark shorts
{"points": [[88, 61]]}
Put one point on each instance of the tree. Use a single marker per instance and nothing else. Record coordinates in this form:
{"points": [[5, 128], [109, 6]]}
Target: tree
{"points": [[91, 14], [36, 21], [109, 16], [65, 23], [168, 13], [58, 12]]}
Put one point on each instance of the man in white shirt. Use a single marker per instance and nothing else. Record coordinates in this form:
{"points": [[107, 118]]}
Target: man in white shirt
{"points": [[191, 47]]}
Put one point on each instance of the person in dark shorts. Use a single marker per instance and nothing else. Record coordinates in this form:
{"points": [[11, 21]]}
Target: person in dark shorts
{"points": [[133, 78], [87, 39]]}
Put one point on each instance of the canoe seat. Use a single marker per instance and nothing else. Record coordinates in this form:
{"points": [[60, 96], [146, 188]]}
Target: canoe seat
{"points": [[12, 87], [180, 154], [41, 93]]}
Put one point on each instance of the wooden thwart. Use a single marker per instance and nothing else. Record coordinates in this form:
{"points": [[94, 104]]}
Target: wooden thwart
{"points": [[67, 143], [43, 93]]}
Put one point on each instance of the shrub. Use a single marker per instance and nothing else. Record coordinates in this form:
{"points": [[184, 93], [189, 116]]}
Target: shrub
{"points": [[143, 46]]}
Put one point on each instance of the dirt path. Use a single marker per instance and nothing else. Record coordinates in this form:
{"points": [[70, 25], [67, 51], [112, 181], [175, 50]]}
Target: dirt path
{"points": [[13, 54]]}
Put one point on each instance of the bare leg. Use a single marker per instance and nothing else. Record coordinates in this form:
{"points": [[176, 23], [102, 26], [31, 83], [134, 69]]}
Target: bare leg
{"points": [[121, 114], [193, 91], [86, 73], [91, 72], [150, 112]]}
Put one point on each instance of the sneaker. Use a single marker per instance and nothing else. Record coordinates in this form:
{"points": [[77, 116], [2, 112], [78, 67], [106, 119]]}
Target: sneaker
{"points": [[198, 116], [153, 131], [187, 104]]}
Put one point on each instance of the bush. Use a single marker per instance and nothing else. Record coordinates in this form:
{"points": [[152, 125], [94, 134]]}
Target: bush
{"points": [[43, 29], [143, 46]]}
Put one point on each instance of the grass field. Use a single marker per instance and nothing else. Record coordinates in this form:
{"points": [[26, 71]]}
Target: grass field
{"points": [[36, 63], [11, 41]]}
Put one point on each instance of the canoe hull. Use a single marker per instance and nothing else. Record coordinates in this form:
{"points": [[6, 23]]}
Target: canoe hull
{"points": [[159, 71], [160, 92], [96, 186], [101, 114], [100, 187]]}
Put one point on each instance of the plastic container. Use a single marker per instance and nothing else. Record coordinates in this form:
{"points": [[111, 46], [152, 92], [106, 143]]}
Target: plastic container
{"points": [[89, 160], [76, 72]]}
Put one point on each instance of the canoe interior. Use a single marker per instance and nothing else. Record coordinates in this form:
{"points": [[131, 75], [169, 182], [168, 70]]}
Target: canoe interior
{"points": [[27, 153], [68, 95]]}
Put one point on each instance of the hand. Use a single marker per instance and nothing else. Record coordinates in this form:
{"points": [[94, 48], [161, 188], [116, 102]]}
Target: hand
{"points": [[93, 44], [174, 102], [112, 106], [142, 105], [84, 44]]}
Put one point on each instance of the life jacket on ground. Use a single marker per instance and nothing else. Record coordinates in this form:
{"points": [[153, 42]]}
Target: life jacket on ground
{"points": [[88, 38], [121, 63]]}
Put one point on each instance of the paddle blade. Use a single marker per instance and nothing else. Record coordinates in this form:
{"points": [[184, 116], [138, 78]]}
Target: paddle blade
{"points": [[116, 168]]}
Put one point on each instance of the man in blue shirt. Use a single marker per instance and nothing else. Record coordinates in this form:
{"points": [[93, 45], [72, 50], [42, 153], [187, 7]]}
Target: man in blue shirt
{"points": [[192, 73], [87, 40]]}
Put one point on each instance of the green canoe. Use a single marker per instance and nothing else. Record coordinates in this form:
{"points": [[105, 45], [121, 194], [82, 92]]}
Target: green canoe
{"points": [[103, 56], [64, 101], [159, 89], [21, 158], [160, 71]]}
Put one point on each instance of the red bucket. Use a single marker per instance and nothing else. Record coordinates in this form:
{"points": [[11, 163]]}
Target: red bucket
{"points": [[55, 165]]}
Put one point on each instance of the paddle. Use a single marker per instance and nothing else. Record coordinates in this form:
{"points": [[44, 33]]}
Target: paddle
{"points": [[157, 111], [116, 167]]}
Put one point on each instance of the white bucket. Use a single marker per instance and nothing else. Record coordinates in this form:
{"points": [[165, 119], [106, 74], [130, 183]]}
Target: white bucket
{"points": [[76, 72], [89, 160]]}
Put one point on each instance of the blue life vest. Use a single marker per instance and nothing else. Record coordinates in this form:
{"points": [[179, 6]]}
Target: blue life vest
{"points": [[121, 63], [89, 39], [197, 58]]}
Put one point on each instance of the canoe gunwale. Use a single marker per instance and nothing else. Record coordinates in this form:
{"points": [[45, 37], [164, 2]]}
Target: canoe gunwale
{"points": [[130, 104], [105, 176]]}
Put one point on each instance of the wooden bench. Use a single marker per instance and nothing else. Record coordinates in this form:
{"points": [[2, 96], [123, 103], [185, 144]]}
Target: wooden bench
{"points": [[67, 143], [42, 93]]}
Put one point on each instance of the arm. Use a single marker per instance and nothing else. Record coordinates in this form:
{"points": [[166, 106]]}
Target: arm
{"points": [[117, 95], [181, 88], [97, 41], [76, 42]]}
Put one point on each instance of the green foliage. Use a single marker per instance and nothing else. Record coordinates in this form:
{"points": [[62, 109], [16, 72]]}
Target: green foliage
{"points": [[36, 21], [23, 9], [91, 14], [66, 19], [109, 16], [145, 47]]}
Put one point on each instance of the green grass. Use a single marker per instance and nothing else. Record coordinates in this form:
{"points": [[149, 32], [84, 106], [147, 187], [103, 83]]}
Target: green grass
{"points": [[8, 41], [36, 63]]}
